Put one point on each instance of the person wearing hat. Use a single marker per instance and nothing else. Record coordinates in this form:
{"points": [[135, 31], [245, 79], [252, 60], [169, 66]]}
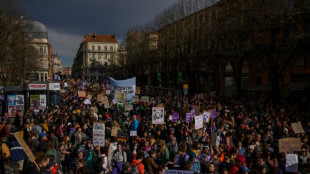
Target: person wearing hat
{"points": [[244, 170], [195, 164], [239, 162]]}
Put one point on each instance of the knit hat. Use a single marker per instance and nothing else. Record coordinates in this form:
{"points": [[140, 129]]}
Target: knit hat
{"points": [[192, 155]]}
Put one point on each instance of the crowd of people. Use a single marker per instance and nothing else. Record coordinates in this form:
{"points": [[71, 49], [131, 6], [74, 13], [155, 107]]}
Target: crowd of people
{"points": [[246, 141]]}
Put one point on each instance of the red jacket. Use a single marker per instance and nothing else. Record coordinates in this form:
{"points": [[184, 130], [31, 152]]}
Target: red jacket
{"points": [[139, 165]]}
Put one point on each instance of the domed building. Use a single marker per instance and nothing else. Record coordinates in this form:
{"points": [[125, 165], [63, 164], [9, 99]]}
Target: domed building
{"points": [[38, 36]]}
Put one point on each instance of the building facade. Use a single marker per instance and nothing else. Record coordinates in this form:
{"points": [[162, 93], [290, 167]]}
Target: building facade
{"points": [[57, 65], [37, 35], [95, 54], [235, 42]]}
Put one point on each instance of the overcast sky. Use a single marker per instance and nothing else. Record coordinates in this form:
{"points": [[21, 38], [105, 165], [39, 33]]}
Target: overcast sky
{"points": [[67, 21]]}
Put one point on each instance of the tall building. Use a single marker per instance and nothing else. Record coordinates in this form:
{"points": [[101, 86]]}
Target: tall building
{"points": [[95, 53], [37, 35]]}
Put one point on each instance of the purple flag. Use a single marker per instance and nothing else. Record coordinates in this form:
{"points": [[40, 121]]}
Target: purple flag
{"points": [[188, 117], [213, 113], [175, 117]]}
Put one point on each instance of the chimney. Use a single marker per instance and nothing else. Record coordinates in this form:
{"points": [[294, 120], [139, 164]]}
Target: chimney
{"points": [[95, 35]]}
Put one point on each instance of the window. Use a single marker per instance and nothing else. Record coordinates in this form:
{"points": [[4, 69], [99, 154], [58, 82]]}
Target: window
{"points": [[105, 63], [45, 50], [99, 56], [301, 63], [105, 48], [111, 48], [41, 49], [93, 48], [93, 56], [105, 56], [259, 66], [99, 48]]}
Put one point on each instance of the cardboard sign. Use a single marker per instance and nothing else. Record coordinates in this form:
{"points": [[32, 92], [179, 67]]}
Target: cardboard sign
{"points": [[82, 93], [24, 145], [297, 127], [291, 163], [114, 131], [120, 96], [89, 96], [99, 134], [137, 90], [133, 133], [198, 122], [158, 115], [128, 107], [289, 145]]}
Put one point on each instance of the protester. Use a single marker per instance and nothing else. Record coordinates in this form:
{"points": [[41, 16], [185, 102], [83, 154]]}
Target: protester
{"points": [[241, 137]]}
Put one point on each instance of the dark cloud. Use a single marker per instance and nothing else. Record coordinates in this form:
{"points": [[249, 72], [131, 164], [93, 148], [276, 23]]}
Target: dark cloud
{"points": [[69, 20]]}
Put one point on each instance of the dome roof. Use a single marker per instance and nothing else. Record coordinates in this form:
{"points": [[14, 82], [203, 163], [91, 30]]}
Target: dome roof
{"points": [[35, 29]]}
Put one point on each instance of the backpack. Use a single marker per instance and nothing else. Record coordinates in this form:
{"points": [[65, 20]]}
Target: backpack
{"points": [[134, 169]]}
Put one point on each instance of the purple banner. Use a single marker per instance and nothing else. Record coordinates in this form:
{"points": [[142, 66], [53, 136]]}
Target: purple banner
{"points": [[213, 113], [188, 117], [175, 117]]}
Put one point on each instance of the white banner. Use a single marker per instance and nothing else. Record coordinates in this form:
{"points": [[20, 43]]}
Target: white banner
{"points": [[99, 134], [206, 116], [158, 115], [291, 163], [198, 122]]}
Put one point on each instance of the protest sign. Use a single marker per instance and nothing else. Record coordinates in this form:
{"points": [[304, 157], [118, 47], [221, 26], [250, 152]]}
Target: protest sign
{"points": [[89, 96], [133, 133], [297, 127], [175, 117], [158, 115], [127, 87], [137, 90], [99, 134], [114, 101], [291, 163], [82, 93], [198, 122], [188, 117], [114, 131], [206, 116], [212, 113], [197, 109], [107, 92], [87, 101], [120, 96], [122, 135], [128, 107], [15, 103], [105, 99], [289, 145], [145, 98], [135, 98], [24, 145], [171, 171]]}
